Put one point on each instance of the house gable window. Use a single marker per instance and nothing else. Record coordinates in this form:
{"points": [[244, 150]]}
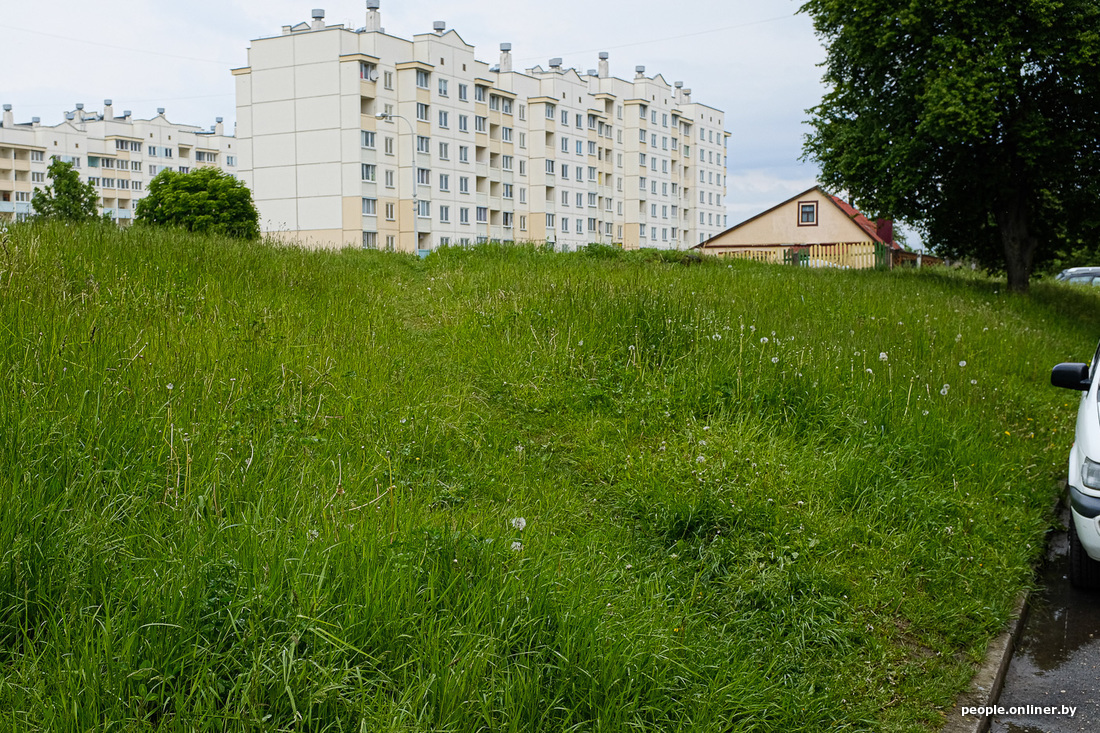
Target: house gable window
{"points": [[807, 213]]}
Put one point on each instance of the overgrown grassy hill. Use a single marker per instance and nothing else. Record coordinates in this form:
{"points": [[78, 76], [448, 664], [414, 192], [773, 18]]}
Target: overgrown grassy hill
{"points": [[245, 487]]}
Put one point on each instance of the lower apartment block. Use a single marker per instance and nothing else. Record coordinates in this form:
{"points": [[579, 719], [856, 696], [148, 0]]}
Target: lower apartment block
{"points": [[118, 155], [360, 138]]}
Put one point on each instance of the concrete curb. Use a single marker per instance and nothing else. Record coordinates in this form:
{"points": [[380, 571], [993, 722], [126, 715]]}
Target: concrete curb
{"points": [[985, 687]]}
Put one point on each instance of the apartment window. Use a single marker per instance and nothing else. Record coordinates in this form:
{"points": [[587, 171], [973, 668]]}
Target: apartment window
{"points": [[506, 190], [444, 151], [580, 200], [549, 221], [580, 147], [444, 182], [522, 195], [136, 185], [390, 242], [368, 171], [564, 170], [463, 123], [565, 144], [579, 173], [480, 124], [445, 214], [424, 176], [463, 216], [506, 134], [807, 213], [522, 167], [591, 224], [463, 184], [423, 144], [388, 177], [591, 147], [443, 87], [579, 225], [591, 172], [387, 79], [390, 212], [462, 92], [653, 164], [523, 140], [107, 162], [664, 212], [422, 79], [653, 210], [565, 225], [482, 215], [549, 111], [368, 71], [523, 223], [230, 160], [494, 102], [424, 209], [463, 154], [479, 93], [565, 117], [370, 240], [641, 183], [564, 198], [653, 187], [38, 177], [591, 199], [421, 111], [506, 105], [38, 156], [506, 219], [370, 207], [367, 139], [523, 116], [444, 119], [506, 162], [641, 136], [387, 145]]}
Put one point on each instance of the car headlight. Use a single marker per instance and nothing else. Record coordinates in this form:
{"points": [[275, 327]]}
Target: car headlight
{"points": [[1090, 474]]}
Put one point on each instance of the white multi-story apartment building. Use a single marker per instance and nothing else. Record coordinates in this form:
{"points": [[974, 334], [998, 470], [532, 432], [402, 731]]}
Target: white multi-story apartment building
{"points": [[357, 137], [118, 155]]}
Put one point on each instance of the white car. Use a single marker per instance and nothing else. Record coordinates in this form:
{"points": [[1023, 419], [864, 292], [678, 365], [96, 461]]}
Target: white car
{"points": [[1084, 472]]}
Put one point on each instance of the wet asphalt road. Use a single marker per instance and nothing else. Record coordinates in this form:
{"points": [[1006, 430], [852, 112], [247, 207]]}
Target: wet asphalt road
{"points": [[1057, 659]]}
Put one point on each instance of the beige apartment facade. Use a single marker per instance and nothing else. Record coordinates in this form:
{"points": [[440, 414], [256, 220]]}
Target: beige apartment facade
{"points": [[117, 154], [361, 138]]}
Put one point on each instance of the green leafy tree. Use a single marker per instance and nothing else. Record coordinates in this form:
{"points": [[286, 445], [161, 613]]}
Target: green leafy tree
{"points": [[67, 198], [976, 122], [204, 200]]}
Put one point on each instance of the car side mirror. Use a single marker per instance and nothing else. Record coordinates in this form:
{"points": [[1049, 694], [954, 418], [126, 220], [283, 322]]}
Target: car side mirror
{"points": [[1071, 376]]}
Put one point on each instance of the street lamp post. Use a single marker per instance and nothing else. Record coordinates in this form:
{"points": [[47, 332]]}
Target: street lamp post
{"points": [[390, 117]]}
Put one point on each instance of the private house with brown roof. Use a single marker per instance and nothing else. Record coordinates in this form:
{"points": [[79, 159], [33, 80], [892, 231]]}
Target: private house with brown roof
{"points": [[814, 229]]}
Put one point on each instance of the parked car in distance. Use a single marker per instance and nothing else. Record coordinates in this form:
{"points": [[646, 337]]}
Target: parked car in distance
{"points": [[1080, 276], [1084, 472]]}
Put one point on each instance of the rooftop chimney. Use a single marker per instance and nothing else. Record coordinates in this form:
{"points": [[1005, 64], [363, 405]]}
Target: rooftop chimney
{"points": [[677, 96], [36, 121], [160, 110], [555, 63], [505, 58], [639, 72], [374, 18], [439, 26], [687, 96], [108, 109], [9, 118], [604, 70], [318, 19], [592, 72], [219, 129], [126, 113]]}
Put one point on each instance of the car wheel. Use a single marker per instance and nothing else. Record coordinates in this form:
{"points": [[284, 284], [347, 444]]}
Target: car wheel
{"points": [[1084, 572]]}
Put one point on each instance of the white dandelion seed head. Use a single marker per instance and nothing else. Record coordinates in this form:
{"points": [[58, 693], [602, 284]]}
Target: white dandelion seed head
{"points": [[882, 356], [962, 363], [764, 340], [700, 459], [519, 523], [169, 385], [516, 546], [775, 360], [944, 390], [869, 371], [973, 381]]}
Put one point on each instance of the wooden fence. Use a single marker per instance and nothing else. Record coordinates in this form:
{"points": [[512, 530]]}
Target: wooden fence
{"points": [[844, 255]]}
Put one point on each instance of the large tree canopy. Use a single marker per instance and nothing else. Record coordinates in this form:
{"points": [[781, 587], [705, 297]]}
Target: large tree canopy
{"points": [[67, 197], [204, 200], [976, 122]]}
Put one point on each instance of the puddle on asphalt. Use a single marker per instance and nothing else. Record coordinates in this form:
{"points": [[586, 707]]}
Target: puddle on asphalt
{"points": [[1057, 659]]}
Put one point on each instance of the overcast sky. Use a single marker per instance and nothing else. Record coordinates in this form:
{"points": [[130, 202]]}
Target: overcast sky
{"points": [[755, 59]]}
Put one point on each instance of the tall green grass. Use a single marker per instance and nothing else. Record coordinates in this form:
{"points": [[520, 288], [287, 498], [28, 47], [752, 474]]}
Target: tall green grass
{"points": [[246, 487]]}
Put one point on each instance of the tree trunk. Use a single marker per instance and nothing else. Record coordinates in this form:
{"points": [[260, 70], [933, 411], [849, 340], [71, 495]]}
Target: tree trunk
{"points": [[1013, 222]]}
